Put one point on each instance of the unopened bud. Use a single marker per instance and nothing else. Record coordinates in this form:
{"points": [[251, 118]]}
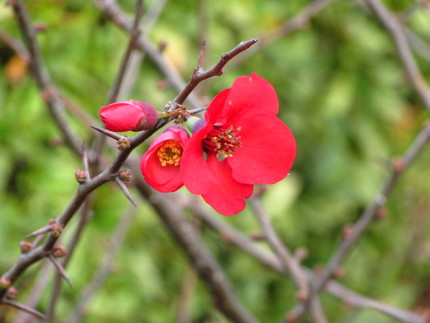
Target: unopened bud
{"points": [[302, 295], [60, 252], [301, 253], [339, 272], [257, 236], [381, 213], [347, 231], [81, 176], [5, 282], [12, 293], [398, 165], [292, 318], [128, 116], [125, 175], [25, 246], [123, 143], [56, 229]]}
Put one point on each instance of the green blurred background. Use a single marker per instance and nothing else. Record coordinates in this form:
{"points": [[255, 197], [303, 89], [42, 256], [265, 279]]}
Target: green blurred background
{"points": [[344, 95]]}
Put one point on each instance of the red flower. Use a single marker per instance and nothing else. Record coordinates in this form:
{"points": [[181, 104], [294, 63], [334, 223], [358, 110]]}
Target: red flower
{"points": [[243, 143], [160, 164], [128, 116]]}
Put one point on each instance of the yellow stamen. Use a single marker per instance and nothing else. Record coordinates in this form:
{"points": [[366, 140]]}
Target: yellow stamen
{"points": [[170, 153]]}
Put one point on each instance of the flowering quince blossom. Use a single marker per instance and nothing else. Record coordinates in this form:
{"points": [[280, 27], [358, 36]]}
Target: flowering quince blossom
{"points": [[128, 116], [241, 144], [160, 164]]}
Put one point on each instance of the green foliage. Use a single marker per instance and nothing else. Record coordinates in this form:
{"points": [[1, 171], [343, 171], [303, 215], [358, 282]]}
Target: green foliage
{"points": [[342, 92]]}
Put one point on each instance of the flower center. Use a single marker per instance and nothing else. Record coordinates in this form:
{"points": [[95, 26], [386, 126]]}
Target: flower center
{"points": [[222, 142], [170, 153]]}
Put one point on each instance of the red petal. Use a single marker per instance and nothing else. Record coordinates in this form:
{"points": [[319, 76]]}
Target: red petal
{"points": [[226, 195], [195, 171], [163, 178], [249, 94], [121, 116], [267, 151]]}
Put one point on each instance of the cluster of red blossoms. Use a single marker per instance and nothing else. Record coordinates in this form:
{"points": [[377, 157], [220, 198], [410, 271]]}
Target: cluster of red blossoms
{"points": [[240, 143]]}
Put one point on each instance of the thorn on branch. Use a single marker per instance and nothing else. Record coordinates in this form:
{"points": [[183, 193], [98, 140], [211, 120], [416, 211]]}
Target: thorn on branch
{"points": [[125, 190], [39, 232], [108, 133], [53, 226], [60, 269], [24, 308]]}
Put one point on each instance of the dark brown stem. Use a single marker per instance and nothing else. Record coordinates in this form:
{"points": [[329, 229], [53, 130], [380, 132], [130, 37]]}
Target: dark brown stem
{"points": [[50, 94], [366, 218], [397, 33], [208, 269], [200, 75], [24, 308]]}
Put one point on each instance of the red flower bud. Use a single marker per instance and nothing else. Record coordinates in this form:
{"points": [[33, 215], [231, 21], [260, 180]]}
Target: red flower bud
{"points": [[128, 116]]}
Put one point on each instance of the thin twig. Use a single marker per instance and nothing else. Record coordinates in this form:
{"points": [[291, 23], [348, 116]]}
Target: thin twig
{"points": [[208, 269], [24, 308], [299, 21], [287, 260], [397, 33], [83, 192], [15, 45], [236, 238], [200, 75], [125, 190], [367, 217], [134, 35], [111, 11], [60, 269], [85, 216], [106, 265], [187, 289], [42, 77]]}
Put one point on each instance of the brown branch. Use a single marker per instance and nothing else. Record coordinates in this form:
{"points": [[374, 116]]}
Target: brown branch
{"points": [[236, 238], [15, 45], [85, 216], [289, 263], [200, 75], [111, 11], [298, 22], [287, 260], [83, 192], [43, 80], [24, 308], [134, 35], [106, 265], [367, 217], [208, 269], [396, 32]]}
